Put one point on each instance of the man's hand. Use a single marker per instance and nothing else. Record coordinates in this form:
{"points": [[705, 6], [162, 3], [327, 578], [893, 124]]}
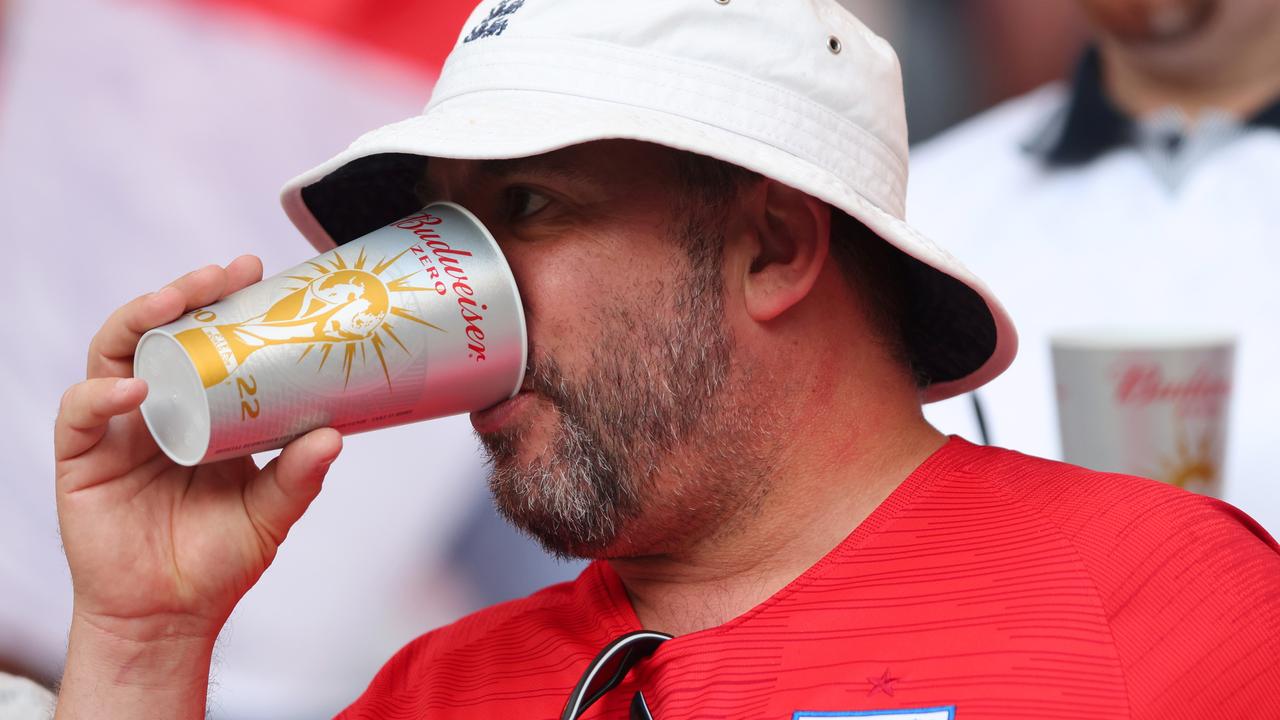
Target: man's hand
{"points": [[159, 553]]}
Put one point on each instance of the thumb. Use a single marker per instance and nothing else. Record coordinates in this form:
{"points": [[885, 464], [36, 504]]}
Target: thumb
{"points": [[278, 496]]}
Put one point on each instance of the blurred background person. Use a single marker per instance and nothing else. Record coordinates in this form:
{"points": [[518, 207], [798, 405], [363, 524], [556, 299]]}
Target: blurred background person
{"points": [[1139, 193]]}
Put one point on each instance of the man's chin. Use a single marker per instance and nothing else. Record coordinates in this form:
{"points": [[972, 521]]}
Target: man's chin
{"points": [[513, 453], [1171, 26], [562, 511], [556, 538]]}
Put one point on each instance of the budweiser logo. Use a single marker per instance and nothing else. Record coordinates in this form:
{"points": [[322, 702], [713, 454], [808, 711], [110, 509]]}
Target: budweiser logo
{"points": [[443, 263], [1145, 384]]}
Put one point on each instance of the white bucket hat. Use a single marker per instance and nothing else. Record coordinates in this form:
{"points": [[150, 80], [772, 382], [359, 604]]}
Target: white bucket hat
{"points": [[797, 90]]}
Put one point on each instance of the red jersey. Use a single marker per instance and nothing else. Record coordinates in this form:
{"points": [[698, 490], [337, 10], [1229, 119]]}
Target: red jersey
{"points": [[988, 585]]}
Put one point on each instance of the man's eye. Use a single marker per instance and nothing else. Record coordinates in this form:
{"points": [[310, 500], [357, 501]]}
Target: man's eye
{"points": [[523, 203]]}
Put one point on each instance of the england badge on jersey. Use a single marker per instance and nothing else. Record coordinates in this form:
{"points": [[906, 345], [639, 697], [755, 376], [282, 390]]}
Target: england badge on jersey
{"points": [[934, 713]]}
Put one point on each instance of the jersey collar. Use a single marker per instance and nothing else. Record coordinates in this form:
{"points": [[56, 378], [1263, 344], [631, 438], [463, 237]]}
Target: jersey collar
{"points": [[1089, 124]]}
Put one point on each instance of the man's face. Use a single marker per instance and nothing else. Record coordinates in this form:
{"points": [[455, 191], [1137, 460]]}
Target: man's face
{"points": [[1151, 21], [628, 428]]}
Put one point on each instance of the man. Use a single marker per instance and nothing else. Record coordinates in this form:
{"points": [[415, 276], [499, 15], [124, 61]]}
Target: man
{"points": [[731, 332], [1140, 196]]}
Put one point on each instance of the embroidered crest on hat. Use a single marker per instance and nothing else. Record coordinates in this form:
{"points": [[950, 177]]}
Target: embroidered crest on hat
{"points": [[496, 22]]}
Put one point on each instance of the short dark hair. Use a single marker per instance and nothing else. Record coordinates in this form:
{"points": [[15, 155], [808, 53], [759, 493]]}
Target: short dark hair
{"points": [[874, 269]]}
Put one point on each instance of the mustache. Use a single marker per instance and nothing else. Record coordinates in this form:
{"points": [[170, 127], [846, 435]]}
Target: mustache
{"points": [[542, 375]]}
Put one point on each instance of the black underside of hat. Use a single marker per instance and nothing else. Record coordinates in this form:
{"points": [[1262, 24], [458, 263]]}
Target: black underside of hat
{"points": [[949, 331], [366, 194]]}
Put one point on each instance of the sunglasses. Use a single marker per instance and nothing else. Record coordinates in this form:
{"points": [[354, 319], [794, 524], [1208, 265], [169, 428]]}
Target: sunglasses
{"points": [[608, 669]]}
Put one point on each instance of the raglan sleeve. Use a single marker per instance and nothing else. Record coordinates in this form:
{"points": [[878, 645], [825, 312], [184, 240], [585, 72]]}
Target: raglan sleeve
{"points": [[1193, 594]]}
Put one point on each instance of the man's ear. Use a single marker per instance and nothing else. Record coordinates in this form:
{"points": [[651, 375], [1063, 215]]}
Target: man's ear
{"points": [[792, 239]]}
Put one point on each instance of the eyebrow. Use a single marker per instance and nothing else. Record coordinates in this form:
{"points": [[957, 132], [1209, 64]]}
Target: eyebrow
{"points": [[501, 169], [540, 164]]}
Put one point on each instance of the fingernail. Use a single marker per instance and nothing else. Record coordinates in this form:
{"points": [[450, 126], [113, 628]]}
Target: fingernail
{"points": [[125, 385]]}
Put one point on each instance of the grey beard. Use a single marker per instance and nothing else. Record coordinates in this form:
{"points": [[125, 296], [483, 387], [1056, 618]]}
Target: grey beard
{"points": [[573, 500], [654, 385]]}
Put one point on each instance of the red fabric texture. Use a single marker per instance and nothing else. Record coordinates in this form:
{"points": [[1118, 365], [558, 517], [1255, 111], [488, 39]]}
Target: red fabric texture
{"points": [[989, 583], [415, 32]]}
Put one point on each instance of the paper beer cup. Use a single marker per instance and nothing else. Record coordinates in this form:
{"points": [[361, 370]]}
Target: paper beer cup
{"points": [[1146, 403], [417, 320]]}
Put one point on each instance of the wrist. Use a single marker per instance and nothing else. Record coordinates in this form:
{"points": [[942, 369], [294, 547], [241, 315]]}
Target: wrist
{"points": [[137, 670], [173, 629]]}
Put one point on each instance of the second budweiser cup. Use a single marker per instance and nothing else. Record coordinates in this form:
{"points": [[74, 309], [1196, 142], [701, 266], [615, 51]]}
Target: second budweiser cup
{"points": [[1146, 403], [417, 320]]}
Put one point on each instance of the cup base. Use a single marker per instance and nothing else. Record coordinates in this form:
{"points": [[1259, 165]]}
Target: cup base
{"points": [[177, 408]]}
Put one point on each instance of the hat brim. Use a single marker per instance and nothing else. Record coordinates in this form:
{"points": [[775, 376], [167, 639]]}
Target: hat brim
{"points": [[969, 336]]}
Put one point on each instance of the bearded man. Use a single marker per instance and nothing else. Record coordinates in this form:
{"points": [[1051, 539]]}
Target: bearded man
{"points": [[731, 334]]}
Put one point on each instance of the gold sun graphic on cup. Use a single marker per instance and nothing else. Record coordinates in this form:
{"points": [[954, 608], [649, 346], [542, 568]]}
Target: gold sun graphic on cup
{"points": [[340, 305], [1193, 465]]}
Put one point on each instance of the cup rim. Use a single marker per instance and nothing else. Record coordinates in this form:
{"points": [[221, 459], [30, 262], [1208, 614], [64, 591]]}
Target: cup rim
{"points": [[510, 280], [1143, 338]]}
